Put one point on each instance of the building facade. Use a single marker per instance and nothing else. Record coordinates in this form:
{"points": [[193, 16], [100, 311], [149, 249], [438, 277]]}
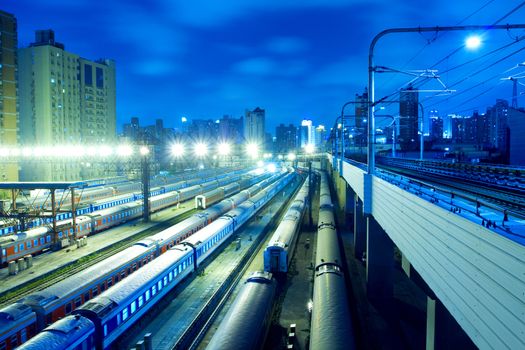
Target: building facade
{"points": [[64, 100], [408, 119], [8, 92], [517, 141], [254, 126], [285, 138]]}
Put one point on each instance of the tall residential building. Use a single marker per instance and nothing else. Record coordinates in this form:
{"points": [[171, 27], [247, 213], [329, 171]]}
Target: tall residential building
{"points": [[8, 92], [320, 137], [517, 141], [254, 128], [498, 117], [285, 138], [408, 119], [64, 100]]}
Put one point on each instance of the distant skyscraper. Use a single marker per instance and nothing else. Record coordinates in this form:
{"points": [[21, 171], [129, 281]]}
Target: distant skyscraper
{"points": [[436, 128], [285, 138], [307, 133], [254, 126], [64, 99], [361, 110], [408, 122], [516, 123], [498, 117], [8, 91], [320, 137], [231, 129]]}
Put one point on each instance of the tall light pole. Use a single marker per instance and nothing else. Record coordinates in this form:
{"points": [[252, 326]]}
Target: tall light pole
{"points": [[371, 71]]}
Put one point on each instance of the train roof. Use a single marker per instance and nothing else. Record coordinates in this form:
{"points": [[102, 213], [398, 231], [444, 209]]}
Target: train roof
{"points": [[61, 334], [85, 277], [171, 231], [141, 279], [204, 233], [14, 312]]}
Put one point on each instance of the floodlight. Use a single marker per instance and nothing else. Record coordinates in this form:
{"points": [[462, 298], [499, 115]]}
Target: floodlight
{"points": [[309, 148], [291, 156], [124, 150], [252, 149], [177, 150], [200, 149], [224, 148]]}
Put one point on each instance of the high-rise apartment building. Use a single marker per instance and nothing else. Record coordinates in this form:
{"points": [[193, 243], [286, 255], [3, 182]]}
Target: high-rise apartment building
{"points": [[64, 100], [516, 140], [254, 128], [307, 133], [408, 119], [8, 92], [361, 110], [285, 138]]}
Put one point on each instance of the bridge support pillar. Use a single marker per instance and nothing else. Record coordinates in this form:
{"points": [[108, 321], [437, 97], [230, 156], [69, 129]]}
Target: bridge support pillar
{"points": [[379, 264], [349, 207], [359, 228], [443, 331]]}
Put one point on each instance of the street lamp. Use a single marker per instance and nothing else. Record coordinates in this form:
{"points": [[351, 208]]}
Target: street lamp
{"points": [[200, 149], [473, 42], [177, 150]]}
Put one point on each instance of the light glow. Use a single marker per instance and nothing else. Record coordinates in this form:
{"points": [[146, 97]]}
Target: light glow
{"points": [[309, 148], [291, 156], [144, 150], [252, 149], [200, 149], [177, 150], [473, 42], [224, 148]]}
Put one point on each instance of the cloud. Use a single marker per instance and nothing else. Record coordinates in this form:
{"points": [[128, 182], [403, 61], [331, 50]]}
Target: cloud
{"points": [[286, 45], [342, 72], [255, 66], [153, 67]]}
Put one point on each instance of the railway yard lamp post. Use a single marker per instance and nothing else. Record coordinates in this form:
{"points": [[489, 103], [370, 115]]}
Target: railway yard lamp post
{"points": [[144, 160]]}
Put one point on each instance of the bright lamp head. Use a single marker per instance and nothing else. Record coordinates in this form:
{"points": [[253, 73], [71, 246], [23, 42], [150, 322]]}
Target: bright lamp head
{"points": [[177, 150], [200, 149]]}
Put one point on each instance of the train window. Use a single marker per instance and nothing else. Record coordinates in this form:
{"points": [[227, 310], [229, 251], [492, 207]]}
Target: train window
{"points": [[21, 246], [122, 274], [48, 239], [133, 307], [28, 244], [103, 221], [3, 345], [94, 292], [15, 249], [159, 284], [154, 290], [141, 301], [125, 314], [4, 253], [14, 341], [103, 287], [105, 330], [147, 295], [86, 297], [35, 242], [170, 276], [42, 240], [165, 280], [60, 234], [134, 267], [78, 302], [68, 308], [110, 282]]}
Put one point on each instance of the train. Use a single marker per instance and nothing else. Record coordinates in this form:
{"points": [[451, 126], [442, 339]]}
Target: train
{"points": [[34, 241], [279, 251], [331, 324], [96, 198], [113, 312], [246, 324], [51, 304]]}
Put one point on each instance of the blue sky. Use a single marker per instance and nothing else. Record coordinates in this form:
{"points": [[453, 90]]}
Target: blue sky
{"points": [[296, 59]]}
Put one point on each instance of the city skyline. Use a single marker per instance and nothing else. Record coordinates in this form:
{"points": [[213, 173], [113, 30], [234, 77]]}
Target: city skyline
{"points": [[186, 62]]}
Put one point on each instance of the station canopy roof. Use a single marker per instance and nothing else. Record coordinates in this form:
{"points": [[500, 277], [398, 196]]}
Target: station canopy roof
{"points": [[41, 185]]}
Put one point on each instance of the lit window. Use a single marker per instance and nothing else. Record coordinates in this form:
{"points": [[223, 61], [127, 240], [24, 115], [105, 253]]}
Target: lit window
{"points": [[125, 314]]}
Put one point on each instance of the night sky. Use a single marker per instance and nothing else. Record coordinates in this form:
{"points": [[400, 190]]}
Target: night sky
{"points": [[296, 59]]}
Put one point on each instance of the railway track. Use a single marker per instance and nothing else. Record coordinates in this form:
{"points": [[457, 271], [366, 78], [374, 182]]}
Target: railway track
{"points": [[9, 296], [506, 200]]}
